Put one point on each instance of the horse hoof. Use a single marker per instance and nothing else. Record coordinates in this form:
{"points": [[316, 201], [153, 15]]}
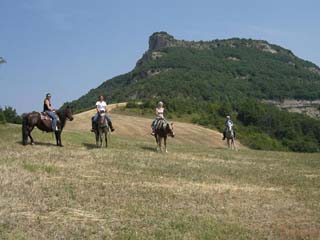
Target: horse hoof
{"points": [[32, 143]]}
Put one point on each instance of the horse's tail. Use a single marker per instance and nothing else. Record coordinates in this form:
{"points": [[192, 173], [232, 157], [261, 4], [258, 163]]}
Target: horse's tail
{"points": [[25, 130]]}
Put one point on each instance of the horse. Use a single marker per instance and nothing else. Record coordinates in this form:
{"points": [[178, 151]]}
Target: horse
{"points": [[43, 122], [163, 129], [101, 129], [230, 137]]}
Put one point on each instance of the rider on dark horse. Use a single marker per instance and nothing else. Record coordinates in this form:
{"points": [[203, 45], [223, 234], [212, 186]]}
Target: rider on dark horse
{"points": [[159, 115], [47, 108], [226, 124], [101, 106]]}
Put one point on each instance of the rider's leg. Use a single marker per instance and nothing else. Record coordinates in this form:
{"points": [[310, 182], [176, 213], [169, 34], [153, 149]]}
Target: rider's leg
{"points": [[224, 134], [52, 115], [153, 126], [109, 122], [93, 121]]}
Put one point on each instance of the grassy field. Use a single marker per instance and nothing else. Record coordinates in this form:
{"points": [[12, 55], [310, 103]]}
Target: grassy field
{"points": [[130, 191]]}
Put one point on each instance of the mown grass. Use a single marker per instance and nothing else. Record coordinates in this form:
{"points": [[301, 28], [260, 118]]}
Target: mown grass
{"points": [[129, 191]]}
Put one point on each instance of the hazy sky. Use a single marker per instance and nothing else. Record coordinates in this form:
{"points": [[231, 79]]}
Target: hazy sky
{"points": [[67, 47]]}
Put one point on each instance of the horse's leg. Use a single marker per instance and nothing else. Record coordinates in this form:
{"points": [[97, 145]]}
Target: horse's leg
{"points": [[100, 138], [156, 137], [234, 144], [58, 138], [106, 137], [96, 132], [160, 143], [60, 141], [29, 135], [165, 143]]}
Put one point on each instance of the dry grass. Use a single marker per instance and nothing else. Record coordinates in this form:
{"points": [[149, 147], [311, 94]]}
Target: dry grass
{"points": [[131, 192], [139, 127]]}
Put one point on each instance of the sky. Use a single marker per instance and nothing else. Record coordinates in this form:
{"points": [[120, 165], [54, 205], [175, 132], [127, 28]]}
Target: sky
{"points": [[67, 47]]}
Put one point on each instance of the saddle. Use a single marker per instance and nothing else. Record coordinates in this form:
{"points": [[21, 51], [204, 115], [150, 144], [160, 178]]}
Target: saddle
{"points": [[161, 123], [45, 117]]}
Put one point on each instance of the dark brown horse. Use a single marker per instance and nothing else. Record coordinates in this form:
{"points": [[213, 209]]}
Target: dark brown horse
{"points": [[162, 130], [35, 119]]}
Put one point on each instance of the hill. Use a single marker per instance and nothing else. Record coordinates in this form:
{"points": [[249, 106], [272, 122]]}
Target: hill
{"points": [[129, 191], [216, 70], [205, 81]]}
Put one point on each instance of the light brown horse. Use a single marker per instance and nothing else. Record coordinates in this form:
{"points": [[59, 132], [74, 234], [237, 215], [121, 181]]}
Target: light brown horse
{"points": [[230, 137], [162, 130], [101, 130], [34, 119]]}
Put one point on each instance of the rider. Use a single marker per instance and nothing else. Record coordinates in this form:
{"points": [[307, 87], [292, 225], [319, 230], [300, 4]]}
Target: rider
{"points": [[226, 124], [50, 111], [159, 115], [101, 105]]}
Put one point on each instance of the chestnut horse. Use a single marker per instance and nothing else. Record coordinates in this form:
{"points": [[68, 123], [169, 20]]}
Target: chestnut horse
{"points": [[34, 119], [162, 130]]}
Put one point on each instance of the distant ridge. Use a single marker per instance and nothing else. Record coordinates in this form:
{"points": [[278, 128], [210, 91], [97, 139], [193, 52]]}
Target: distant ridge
{"points": [[216, 70]]}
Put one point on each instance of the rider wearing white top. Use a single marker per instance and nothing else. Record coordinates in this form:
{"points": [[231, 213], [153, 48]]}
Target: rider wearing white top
{"points": [[159, 115], [101, 106], [226, 124]]}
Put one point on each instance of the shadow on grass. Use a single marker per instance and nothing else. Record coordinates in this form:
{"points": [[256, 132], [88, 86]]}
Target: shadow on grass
{"points": [[148, 148], [89, 145], [37, 144]]}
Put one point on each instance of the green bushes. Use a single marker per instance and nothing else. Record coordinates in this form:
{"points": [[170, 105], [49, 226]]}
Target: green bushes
{"points": [[9, 114]]}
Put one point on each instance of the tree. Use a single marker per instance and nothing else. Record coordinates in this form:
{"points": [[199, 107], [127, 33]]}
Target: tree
{"points": [[11, 116], [2, 60], [2, 117]]}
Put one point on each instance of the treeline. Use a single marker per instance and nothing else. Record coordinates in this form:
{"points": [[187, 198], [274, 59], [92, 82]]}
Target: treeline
{"points": [[9, 115], [259, 126]]}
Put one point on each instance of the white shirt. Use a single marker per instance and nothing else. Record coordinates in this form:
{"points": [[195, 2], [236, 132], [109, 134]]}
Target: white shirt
{"points": [[102, 106], [160, 112]]}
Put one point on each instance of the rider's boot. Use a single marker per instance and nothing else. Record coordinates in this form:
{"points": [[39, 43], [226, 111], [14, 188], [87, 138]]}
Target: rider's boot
{"points": [[111, 127], [224, 135], [92, 126]]}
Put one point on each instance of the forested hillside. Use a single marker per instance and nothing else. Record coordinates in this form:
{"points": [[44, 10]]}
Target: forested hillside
{"points": [[198, 79]]}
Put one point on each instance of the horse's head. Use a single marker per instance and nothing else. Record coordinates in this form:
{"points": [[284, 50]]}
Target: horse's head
{"points": [[102, 119], [229, 125], [169, 129], [68, 113]]}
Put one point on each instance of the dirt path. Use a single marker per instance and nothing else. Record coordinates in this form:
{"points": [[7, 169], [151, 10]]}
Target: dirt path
{"points": [[131, 126]]}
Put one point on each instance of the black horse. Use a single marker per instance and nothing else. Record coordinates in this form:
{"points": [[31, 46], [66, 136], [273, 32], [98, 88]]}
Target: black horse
{"points": [[101, 129], [43, 122], [163, 129]]}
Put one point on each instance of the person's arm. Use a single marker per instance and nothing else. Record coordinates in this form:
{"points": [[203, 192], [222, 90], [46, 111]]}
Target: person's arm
{"points": [[106, 108], [157, 112], [97, 107]]}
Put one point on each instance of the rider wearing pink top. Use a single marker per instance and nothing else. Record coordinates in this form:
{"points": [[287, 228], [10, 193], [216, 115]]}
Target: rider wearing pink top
{"points": [[159, 115]]}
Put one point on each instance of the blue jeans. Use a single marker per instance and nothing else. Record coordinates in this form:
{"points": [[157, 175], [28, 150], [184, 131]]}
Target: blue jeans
{"points": [[53, 116], [95, 118]]}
